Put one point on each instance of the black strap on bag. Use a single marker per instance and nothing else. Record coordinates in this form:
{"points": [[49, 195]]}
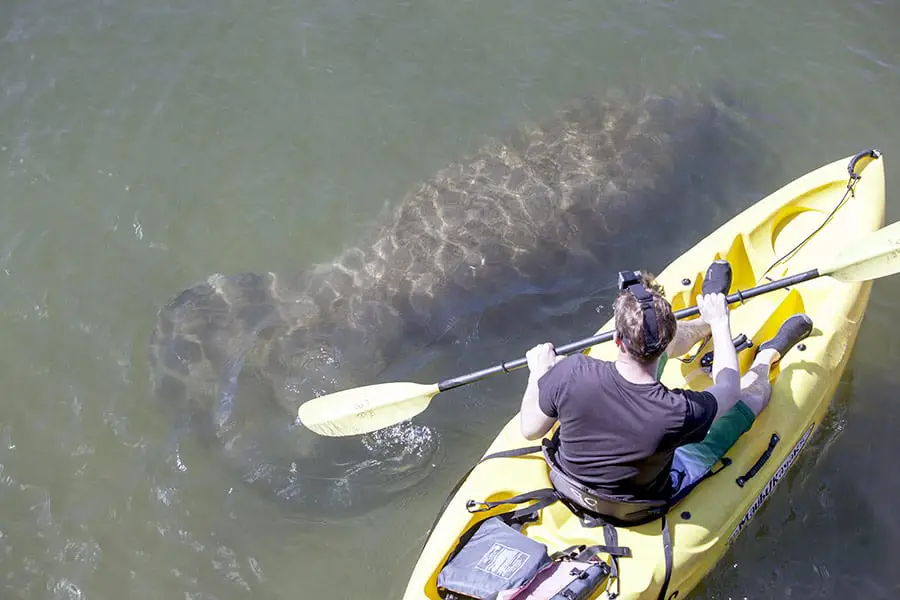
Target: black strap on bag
{"points": [[584, 552]]}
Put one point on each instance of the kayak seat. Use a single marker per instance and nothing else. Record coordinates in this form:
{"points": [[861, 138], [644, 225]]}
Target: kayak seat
{"points": [[608, 508]]}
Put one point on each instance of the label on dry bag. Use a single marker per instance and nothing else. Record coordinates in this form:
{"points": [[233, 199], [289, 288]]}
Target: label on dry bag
{"points": [[770, 486], [502, 561]]}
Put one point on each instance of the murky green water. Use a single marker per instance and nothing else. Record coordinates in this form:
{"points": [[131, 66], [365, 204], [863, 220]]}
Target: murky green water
{"points": [[145, 146]]}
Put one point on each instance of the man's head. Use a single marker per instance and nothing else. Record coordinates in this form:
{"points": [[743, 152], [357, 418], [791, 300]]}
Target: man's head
{"points": [[629, 314]]}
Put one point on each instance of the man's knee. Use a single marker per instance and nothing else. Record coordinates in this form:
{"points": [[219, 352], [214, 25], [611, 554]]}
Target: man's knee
{"points": [[756, 381], [755, 401]]}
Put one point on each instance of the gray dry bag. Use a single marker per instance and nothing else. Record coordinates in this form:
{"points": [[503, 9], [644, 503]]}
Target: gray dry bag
{"points": [[494, 559]]}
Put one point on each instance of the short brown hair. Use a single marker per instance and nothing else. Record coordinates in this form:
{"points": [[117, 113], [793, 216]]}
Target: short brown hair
{"points": [[630, 321]]}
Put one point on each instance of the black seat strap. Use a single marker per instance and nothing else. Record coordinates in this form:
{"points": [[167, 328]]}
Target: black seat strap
{"points": [[474, 506], [514, 518], [513, 452], [502, 454], [611, 536], [667, 551]]}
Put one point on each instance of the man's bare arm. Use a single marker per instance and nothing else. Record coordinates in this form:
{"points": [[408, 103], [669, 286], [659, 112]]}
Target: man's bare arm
{"points": [[533, 423], [687, 334]]}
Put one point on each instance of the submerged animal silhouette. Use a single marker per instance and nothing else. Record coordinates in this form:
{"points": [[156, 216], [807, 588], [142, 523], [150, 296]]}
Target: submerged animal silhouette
{"points": [[542, 209]]}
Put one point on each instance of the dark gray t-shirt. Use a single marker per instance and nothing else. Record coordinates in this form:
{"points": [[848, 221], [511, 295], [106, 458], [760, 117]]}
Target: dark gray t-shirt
{"points": [[616, 436]]}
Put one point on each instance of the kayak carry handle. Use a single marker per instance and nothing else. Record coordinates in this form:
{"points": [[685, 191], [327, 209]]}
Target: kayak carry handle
{"points": [[861, 161], [759, 462]]}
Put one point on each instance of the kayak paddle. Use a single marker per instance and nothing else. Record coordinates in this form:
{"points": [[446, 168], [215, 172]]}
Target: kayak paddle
{"points": [[372, 407]]}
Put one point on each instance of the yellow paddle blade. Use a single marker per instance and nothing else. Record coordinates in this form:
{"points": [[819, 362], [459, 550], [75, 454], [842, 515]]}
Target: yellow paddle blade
{"points": [[364, 409], [876, 255]]}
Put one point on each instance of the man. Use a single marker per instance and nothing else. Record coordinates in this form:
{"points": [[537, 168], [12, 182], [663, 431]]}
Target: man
{"points": [[625, 434]]}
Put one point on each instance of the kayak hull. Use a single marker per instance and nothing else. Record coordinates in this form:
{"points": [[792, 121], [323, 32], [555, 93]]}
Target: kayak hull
{"points": [[714, 514]]}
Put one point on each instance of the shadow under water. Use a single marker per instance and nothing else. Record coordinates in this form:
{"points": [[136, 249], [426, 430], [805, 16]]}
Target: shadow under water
{"points": [[525, 219]]}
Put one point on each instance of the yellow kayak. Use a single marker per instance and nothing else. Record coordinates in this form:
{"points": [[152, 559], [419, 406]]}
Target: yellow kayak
{"points": [[781, 235]]}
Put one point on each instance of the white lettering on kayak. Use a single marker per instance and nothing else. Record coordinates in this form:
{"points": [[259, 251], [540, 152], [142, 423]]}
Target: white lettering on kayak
{"points": [[770, 486]]}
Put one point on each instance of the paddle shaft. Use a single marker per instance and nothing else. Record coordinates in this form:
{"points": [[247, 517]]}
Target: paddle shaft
{"points": [[506, 367]]}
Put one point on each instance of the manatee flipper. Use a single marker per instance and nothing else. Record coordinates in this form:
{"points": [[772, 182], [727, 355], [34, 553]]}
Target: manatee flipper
{"points": [[223, 411]]}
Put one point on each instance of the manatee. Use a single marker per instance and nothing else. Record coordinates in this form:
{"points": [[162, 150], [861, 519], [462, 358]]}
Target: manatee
{"points": [[541, 210]]}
